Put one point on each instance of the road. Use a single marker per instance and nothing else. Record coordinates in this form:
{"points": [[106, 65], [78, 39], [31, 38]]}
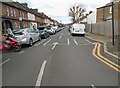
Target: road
{"points": [[60, 60]]}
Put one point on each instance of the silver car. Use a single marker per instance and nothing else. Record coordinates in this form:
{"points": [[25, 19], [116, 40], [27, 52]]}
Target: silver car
{"points": [[27, 36]]}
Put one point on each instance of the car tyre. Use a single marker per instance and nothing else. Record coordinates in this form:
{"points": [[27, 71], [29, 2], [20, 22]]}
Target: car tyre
{"points": [[30, 42], [17, 48], [39, 38]]}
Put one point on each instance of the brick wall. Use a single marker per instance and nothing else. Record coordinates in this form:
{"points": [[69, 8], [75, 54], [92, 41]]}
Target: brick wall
{"points": [[103, 13]]}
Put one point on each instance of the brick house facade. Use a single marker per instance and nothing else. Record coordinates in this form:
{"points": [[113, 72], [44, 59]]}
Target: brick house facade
{"points": [[11, 14], [105, 13]]}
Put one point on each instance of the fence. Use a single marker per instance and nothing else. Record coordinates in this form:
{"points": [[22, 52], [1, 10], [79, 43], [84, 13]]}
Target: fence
{"points": [[104, 28]]}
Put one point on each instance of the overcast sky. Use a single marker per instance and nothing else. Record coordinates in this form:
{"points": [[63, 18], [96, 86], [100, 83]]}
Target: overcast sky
{"points": [[58, 9]]}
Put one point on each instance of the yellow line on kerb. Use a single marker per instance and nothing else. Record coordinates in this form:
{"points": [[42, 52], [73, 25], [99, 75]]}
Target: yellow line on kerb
{"points": [[94, 50], [99, 45]]}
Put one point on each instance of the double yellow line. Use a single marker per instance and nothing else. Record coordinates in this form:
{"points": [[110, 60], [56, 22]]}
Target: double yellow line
{"points": [[96, 53]]}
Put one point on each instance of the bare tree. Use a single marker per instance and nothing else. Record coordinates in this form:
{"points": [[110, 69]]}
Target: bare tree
{"points": [[77, 12]]}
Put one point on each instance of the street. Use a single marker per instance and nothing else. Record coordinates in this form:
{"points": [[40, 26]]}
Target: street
{"points": [[60, 60]]}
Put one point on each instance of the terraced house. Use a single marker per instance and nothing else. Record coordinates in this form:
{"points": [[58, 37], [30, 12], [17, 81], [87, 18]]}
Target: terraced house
{"points": [[14, 16], [17, 15]]}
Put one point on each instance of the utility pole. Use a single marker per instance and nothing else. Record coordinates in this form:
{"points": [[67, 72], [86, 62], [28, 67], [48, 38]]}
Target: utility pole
{"points": [[113, 41]]}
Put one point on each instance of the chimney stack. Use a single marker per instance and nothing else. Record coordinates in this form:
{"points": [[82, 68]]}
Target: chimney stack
{"points": [[24, 4]]}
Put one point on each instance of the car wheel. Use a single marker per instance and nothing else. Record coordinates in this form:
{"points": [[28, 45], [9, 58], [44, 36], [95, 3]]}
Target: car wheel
{"points": [[30, 42], [17, 48], [39, 39]]}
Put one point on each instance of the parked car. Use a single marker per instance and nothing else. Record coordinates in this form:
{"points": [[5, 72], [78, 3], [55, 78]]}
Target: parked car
{"points": [[43, 33], [51, 30], [27, 36]]}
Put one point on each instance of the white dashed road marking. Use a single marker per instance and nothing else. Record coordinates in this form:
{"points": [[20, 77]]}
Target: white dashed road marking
{"points": [[75, 42], [60, 37], [39, 79], [68, 41]]}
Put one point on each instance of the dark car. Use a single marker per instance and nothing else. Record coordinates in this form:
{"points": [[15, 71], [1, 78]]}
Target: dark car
{"points": [[43, 33]]}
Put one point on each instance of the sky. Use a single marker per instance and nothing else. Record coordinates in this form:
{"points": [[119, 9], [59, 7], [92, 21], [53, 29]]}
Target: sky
{"points": [[58, 9]]}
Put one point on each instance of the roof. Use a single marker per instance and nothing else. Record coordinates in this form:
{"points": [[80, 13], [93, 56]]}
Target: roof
{"points": [[107, 5], [15, 4]]}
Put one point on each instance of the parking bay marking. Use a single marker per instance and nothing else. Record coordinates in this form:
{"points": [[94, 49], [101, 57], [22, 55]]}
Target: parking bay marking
{"points": [[40, 42], [88, 41], [39, 79], [4, 62], [47, 42], [21, 52]]}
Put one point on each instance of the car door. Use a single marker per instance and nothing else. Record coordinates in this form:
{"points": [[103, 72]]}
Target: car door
{"points": [[31, 34], [35, 35]]}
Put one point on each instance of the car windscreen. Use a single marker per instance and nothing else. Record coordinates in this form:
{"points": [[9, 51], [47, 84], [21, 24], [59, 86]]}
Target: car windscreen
{"points": [[77, 26], [41, 31], [41, 27], [48, 28], [20, 32]]}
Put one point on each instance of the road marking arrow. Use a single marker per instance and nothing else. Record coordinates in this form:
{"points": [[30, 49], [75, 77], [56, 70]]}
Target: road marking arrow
{"points": [[54, 45]]}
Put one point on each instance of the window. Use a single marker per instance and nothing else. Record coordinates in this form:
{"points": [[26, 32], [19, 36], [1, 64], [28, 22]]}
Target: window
{"points": [[23, 15], [110, 9], [7, 11], [11, 12], [20, 14], [14, 13]]}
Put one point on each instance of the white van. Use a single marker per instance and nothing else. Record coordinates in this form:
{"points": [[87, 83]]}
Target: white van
{"points": [[77, 29]]}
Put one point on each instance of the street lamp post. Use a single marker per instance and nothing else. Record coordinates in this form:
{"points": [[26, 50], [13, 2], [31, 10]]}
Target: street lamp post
{"points": [[113, 41]]}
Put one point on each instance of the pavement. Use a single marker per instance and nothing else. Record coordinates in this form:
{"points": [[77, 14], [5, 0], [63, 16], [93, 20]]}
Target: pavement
{"points": [[60, 60], [107, 41]]}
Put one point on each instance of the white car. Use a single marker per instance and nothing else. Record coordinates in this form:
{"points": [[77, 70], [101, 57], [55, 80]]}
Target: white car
{"points": [[77, 29], [27, 36]]}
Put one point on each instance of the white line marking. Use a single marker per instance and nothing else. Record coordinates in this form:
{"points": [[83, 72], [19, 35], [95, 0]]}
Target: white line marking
{"points": [[4, 62], [60, 37], [39, 79], [93, 86], [88, 41], [40, 42], [75, 42], [68, 41], [54, 45], [21, 52], [47, 42]]}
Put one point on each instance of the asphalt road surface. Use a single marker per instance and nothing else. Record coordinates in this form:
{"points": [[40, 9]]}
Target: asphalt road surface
{"points": [[60, 60]]}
